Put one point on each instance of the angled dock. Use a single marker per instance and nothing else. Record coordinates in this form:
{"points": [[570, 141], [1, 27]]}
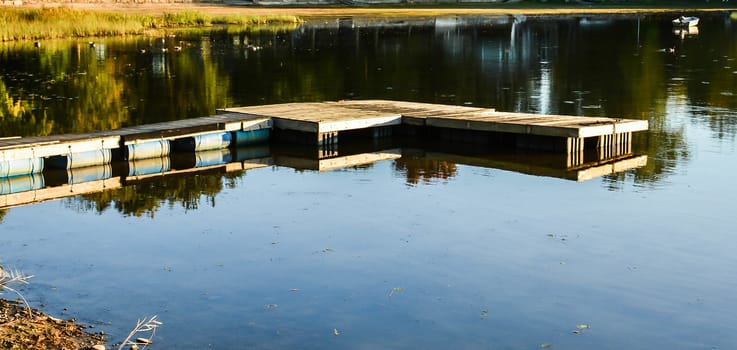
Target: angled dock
{"points": [[319, 124], [324, 121]]}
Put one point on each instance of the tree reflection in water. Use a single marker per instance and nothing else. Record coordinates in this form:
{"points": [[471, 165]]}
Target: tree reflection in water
{"points": [[614, 66]]}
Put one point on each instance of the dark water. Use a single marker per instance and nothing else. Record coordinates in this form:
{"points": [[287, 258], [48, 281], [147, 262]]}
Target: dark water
{"points": [[410, 252]]}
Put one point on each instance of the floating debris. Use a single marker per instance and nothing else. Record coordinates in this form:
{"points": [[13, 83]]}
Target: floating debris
{"points": [[144, 341], [395, 289], [271, 306], [546, 345], [484, 314], [335, 332], [583, 326]]}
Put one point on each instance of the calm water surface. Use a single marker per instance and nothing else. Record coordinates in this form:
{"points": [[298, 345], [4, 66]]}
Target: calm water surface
{"points": [[408, 253]]}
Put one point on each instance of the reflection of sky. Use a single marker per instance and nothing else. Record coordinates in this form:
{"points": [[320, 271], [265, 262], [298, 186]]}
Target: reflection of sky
{"points": [[522, 248]]}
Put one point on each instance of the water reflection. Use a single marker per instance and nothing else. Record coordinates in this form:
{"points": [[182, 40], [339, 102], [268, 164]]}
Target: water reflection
{"points": [[618, 66], [139, 187]]}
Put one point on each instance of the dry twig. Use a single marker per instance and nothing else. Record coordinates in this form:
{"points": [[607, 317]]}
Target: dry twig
{"points": [[15, 277], [142, 326]]}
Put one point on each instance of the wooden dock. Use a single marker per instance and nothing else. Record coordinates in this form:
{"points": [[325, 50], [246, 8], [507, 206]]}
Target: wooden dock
{"points": [[319, 124], [327, 119]]}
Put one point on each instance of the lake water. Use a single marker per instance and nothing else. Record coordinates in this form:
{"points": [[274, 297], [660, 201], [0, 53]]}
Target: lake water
{"points": [[404, 253]]}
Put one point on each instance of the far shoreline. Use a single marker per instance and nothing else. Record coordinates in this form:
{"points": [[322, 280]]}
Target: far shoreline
{"points": [[307, 12], [85, 20]]}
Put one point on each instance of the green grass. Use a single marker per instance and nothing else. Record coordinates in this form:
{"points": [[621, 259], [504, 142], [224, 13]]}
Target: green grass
{"points": [[49, 23]]}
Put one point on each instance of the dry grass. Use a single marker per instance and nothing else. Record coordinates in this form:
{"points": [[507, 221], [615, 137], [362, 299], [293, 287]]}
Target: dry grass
{"points": [[65, 22], [414, 10]]}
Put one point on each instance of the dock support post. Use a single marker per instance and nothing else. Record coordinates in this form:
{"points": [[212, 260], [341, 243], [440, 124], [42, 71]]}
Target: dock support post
{"points": [[327, 143], [614, 145], [327, 138], [575, 147]]}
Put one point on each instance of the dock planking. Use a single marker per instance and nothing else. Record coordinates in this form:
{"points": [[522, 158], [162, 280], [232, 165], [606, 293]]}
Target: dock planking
{"points": [[320, 124], [321, 117], [348, 115]]}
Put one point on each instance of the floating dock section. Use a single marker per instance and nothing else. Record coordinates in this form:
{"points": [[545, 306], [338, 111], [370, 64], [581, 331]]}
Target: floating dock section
{"points": [[320, 124]]}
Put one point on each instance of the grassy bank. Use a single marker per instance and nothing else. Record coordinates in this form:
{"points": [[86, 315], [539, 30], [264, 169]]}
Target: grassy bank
{"points": [[85, 20], [62, 22]]}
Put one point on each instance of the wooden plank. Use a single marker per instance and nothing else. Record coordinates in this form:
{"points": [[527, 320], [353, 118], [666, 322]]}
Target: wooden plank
{"points": [[536, 126], [362, 123], [296, 125], [405, 108], [250, 124], [494, 126]]}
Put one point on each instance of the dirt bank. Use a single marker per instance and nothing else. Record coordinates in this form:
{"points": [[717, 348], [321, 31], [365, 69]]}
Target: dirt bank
{"points": [[21, 331]]}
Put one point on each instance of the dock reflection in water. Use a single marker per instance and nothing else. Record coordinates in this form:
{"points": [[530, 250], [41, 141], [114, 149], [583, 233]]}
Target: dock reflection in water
{"points": [[415, 162]]}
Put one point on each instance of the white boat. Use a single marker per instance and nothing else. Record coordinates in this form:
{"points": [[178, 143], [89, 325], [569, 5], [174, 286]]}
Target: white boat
{"points": [[684, 21]]}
